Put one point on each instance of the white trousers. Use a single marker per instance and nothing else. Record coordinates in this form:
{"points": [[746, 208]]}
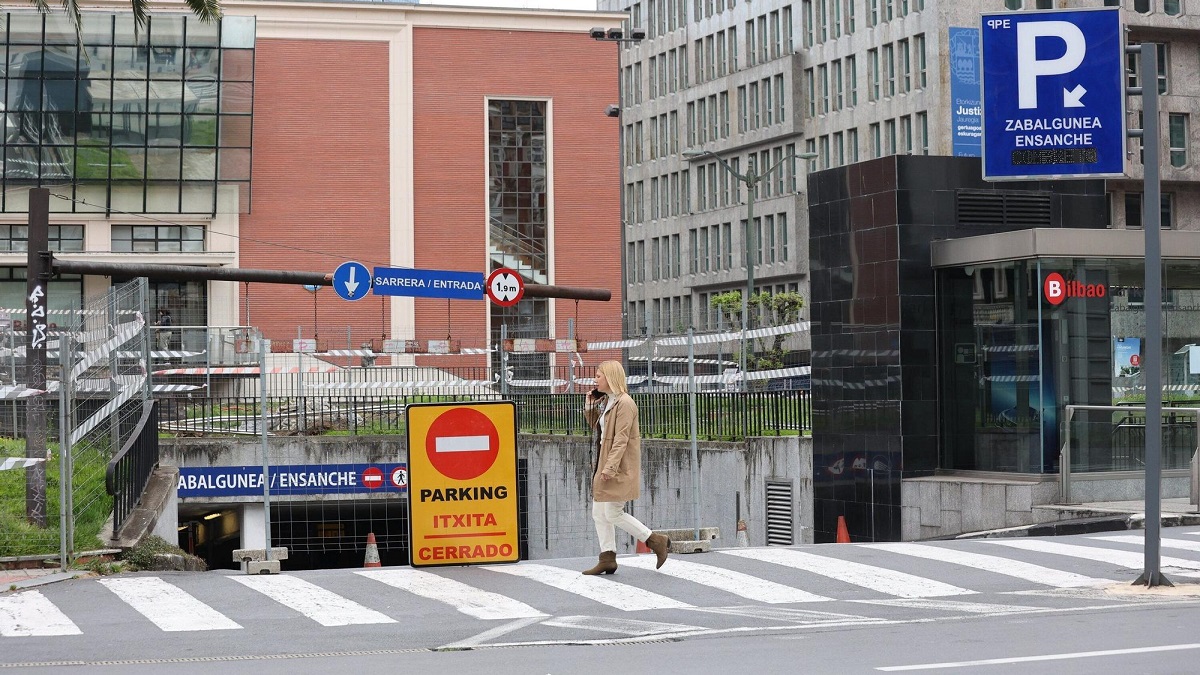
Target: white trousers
{"points": [[611, 515]]}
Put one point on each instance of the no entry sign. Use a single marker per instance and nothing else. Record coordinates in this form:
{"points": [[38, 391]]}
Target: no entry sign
{"points": [[462, 483]]}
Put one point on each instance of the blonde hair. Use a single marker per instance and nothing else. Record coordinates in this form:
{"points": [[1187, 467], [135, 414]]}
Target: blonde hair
{"points": [[615, 374]]}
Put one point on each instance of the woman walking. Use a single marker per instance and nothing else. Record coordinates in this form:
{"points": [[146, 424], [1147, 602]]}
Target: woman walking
{"points": [[617, 472]]}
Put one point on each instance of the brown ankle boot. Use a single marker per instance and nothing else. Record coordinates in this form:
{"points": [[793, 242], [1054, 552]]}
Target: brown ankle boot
{"points": [[607, 564], [659, 544]]}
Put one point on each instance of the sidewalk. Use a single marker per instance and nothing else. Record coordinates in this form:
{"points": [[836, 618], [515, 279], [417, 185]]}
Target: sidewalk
{"points": [[28, 578]]}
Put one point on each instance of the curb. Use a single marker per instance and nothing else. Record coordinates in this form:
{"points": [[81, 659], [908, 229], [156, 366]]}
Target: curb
{"points": [[1111, 523], [43, 580]]}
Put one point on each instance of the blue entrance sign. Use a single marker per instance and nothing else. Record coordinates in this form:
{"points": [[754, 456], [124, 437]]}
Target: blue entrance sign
{"points": [[292, 479], [1053, 94], [351, 281], [428, 283]]}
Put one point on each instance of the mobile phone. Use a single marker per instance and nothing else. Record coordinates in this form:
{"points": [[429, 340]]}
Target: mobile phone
{"points": [[596, 393]]}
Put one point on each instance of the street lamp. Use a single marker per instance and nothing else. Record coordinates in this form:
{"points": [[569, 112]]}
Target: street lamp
{"points": [[617, 35], [313, 288], [751, 179]]}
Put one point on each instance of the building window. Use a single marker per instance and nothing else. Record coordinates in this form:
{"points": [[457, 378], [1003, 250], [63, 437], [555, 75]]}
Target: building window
{"points": [[1171, 7], [1133, 210], [876, 141], [852, 143], [852, 78], [923, 131], [144, 119], [157, 238], [890, 136], [15, 238], [889, 68], [518, 195], [1179, 135], [872, 74], [919, 53]]}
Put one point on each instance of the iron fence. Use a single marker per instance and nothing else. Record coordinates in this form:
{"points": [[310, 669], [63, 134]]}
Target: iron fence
{"points": [[129, 470], [720, 415]]}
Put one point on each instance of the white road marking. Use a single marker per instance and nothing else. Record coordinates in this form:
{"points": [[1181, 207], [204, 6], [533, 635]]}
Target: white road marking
{"points": [[989, 563], [462, 444], [1044, 657], [605, 591], [879, 579], [1140, 540], [466, 599], [168, 606], [31, 614], [952, 605], [318, 604], [738, 583], [1127, 559], [615, 625], [491, 633]]}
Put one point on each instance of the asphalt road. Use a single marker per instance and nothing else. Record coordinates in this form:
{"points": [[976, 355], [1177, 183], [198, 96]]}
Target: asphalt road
{"points": [[1029, 605]]}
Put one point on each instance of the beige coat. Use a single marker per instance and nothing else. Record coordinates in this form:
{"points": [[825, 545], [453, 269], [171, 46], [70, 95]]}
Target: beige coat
{"points": [[620, 451]]}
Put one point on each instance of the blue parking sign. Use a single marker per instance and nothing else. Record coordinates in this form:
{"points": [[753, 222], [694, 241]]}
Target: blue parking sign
{"points": [[1053, 94]]}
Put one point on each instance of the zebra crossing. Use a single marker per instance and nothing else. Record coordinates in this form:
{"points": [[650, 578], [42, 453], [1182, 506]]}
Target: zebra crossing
{"points": [[942, 576]]}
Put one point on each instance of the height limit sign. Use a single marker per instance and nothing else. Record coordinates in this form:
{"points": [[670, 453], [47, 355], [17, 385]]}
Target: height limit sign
{"points": [[505, 287]]}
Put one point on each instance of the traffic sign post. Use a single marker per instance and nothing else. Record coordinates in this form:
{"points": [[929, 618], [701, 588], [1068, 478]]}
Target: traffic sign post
{"points": [[351, 281], [1053, 94], [505, 287], [462, 483]]}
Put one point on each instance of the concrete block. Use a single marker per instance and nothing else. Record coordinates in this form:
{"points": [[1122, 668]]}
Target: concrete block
{"points": [[972, 507], [262, 567], [910, 523], [951, 523], [691, 546], [243, 555], [994, 506], [952, 496], [1018, 497], [1017, 518]]}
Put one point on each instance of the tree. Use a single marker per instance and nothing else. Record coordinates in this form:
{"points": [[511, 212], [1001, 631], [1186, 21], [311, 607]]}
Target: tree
{"points": [[205, 10], [779, 309]]}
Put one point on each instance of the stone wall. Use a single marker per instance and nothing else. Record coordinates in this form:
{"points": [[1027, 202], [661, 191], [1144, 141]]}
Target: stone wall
{"points": [[731, 481]]}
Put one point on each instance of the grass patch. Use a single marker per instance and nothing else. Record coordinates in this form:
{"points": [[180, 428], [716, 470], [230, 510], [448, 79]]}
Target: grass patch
{"points": [[92, 504]]}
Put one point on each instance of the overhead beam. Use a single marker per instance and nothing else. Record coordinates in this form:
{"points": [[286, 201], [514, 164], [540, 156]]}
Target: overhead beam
{"points": [[204, 273]]}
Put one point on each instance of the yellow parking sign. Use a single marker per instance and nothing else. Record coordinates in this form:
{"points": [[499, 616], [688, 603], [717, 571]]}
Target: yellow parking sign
{"points": [[462, 483]]}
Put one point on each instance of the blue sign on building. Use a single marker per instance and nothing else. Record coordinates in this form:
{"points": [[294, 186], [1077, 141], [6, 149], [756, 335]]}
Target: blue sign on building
{"points": [[351, 281], [428, 283], [1053, 94], [292, 479], [966, 111]]}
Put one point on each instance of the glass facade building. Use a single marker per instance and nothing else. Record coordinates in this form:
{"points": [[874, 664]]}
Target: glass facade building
{"points": [[1023, 338], [148, 121]]}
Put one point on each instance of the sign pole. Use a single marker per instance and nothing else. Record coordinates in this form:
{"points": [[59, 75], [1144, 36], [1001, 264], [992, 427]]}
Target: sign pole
{"points": [[37, 287], [262, 420], [1152, 367]]}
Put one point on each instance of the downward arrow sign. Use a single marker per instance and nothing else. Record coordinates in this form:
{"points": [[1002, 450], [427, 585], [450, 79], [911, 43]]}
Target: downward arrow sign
{"points": [[1073, 98], [351, 284]]}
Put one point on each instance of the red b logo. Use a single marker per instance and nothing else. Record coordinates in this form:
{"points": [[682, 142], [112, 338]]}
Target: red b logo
{"points": [[1054, 288]]}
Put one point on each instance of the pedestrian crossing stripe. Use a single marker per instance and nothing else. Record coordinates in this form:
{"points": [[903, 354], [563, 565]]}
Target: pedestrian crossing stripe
{"points": [[168, 607], [466, 599], [990, 563], [1126, 559], [612, 593], [879, 579], [31, 614], [731, 581], [1183, 544], [325, 607]]}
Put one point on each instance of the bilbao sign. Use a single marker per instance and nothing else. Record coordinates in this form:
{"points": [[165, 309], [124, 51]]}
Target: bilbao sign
{"points": [[1056, 289]]}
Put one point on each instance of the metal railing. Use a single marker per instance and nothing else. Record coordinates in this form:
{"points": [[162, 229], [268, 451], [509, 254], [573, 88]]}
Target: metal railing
{"points": [[129, 470], [1126, 454], [720, 415]]}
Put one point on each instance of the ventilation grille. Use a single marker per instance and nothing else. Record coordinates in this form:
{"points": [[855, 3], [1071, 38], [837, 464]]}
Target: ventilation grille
{"points": [[779, 513], [1010, 209]]}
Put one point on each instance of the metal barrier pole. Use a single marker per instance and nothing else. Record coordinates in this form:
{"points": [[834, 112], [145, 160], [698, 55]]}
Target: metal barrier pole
{"points": [[692, 432], [1064, 460]]}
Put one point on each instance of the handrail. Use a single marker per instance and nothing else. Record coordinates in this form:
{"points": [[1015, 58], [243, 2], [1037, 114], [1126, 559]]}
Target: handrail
{"points": [[1064, 461], [109, 478]]}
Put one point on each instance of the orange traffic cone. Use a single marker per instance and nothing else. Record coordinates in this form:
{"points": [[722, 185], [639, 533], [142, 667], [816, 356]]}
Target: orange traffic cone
{"points": [[372, 559], [843, 535]]}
